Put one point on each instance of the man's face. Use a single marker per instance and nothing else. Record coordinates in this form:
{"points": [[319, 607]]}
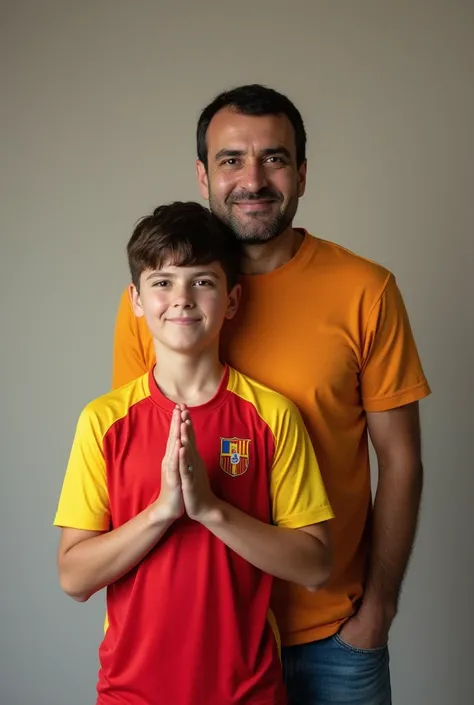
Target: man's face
{"points": [[252, 181], [185, 307]]}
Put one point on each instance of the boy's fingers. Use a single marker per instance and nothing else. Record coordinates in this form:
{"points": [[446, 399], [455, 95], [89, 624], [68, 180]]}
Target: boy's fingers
{"points": [[172, 464], [175, 455], [191, 430], [185, 469], [184, 433], [176, 421], [191, 437], [173, 433]]}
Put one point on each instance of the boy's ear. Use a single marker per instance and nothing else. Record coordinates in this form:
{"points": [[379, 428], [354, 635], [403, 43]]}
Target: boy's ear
{"points": [[135, 301], [233, 301]]}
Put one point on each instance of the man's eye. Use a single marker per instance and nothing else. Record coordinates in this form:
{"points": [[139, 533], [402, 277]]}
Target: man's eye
{"points": [[230, 162], [275, 160]]}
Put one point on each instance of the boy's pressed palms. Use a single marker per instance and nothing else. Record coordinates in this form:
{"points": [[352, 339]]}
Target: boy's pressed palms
{"points": [[198, 496]]}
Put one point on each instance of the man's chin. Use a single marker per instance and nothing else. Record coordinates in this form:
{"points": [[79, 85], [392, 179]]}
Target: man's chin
{"points": [[255, 238], [253, 228], [255, 235]]}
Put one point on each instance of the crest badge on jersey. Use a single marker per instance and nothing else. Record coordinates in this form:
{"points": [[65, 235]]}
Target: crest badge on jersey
{"points": [[234, 455]]}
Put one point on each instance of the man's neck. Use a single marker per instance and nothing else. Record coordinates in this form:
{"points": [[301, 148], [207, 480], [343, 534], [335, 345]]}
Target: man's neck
{"points": [[188, 379], [268, 256]]}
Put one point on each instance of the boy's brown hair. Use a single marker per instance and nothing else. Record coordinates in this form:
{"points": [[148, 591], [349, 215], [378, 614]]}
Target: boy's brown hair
{"points": [[182, 234]]}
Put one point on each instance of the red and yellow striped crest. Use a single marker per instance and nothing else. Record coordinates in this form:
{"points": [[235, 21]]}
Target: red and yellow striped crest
{"points": [[234, 455]]}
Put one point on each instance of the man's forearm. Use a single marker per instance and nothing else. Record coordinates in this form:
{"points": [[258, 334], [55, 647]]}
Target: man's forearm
{"points": [[394, 526], [97, 562], [289, 554]]}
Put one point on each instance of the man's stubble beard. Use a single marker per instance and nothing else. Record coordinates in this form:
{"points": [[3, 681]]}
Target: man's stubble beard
{"points": [[257, 232]]}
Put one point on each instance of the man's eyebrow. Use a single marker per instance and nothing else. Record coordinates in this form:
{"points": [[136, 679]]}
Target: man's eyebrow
{"points": [[268, 152], [272, 151], [229, 153]]}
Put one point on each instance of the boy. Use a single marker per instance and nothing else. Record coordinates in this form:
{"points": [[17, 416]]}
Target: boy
{"points": [[188, 554]]}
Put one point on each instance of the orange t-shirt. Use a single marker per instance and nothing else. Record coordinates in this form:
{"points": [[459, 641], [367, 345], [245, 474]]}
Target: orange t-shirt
{"points": [[329, 331]]}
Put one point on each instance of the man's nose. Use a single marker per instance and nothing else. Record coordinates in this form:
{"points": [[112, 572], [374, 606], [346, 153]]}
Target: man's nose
{"points": [[253, 177]]}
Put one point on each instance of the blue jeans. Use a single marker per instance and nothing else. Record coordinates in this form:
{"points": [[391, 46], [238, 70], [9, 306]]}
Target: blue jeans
{"points": [[331, 672]]}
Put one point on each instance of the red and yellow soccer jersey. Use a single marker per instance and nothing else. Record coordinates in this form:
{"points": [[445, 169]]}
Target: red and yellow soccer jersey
{"points": [[190, 624]]}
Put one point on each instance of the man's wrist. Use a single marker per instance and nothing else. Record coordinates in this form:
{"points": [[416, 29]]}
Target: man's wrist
{"points": [[381, 610]]}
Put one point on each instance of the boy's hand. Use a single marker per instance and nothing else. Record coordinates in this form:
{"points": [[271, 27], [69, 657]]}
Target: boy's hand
{"points": [[170, 504], [199, 499]]}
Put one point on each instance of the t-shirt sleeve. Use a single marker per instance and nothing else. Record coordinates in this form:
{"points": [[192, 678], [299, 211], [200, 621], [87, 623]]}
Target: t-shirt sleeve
{"points": [[296, 486], [391, 372], [129, 359], [84, 501]]}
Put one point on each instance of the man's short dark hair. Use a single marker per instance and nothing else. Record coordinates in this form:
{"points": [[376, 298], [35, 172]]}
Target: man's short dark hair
{"points": [[183, 234], [257, 100]]}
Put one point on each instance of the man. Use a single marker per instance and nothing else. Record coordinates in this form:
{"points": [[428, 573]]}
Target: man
{"points": [[329, 330]]}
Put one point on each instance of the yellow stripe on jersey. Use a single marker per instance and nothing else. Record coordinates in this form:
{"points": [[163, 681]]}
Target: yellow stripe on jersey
{"points": [[276, 632], [296, 486], [84, 500]]}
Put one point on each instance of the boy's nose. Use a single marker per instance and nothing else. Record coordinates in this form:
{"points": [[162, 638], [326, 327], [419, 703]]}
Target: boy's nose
{"points": [[184, 298]]}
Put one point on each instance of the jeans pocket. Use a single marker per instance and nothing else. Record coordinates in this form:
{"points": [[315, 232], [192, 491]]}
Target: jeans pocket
{"points": [[355, 649]]}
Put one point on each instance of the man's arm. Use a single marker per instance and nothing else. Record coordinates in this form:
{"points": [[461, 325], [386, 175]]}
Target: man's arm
{"points": [[395, 435]]}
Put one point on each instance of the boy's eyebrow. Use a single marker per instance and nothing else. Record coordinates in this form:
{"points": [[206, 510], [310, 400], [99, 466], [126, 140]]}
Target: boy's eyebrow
{"points": [[268, 152], [171, 275], [158, 272], [207, 273]]}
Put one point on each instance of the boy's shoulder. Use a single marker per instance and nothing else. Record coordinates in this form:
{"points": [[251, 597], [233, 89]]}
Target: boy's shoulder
{"points": [[103, 411]]}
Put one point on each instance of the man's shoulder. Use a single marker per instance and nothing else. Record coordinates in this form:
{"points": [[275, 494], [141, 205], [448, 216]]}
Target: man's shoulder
{"points": [[103, 411], [345, 265]]}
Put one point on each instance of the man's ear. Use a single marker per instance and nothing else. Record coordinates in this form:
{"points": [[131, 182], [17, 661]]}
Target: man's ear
{"points": [[302, 172], [135, 301], [233, 301], [203, 181]]}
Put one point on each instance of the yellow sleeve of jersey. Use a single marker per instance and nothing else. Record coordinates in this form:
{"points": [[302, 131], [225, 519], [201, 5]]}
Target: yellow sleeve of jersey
{"points": [[297, 490], [84, 501]]}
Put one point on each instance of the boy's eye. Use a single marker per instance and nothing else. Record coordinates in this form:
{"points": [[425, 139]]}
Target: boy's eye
{"points": [[203, 282], [161, 283]]}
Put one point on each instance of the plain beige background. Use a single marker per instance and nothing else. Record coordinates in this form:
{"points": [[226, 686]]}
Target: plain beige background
{"points": [[99, 105]]}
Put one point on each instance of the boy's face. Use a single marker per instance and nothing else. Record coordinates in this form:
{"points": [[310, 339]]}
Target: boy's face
{"points": [[185, 307]]}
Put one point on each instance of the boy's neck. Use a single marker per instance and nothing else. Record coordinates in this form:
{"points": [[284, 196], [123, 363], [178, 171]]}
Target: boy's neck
{"points": [[188, 379]]}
